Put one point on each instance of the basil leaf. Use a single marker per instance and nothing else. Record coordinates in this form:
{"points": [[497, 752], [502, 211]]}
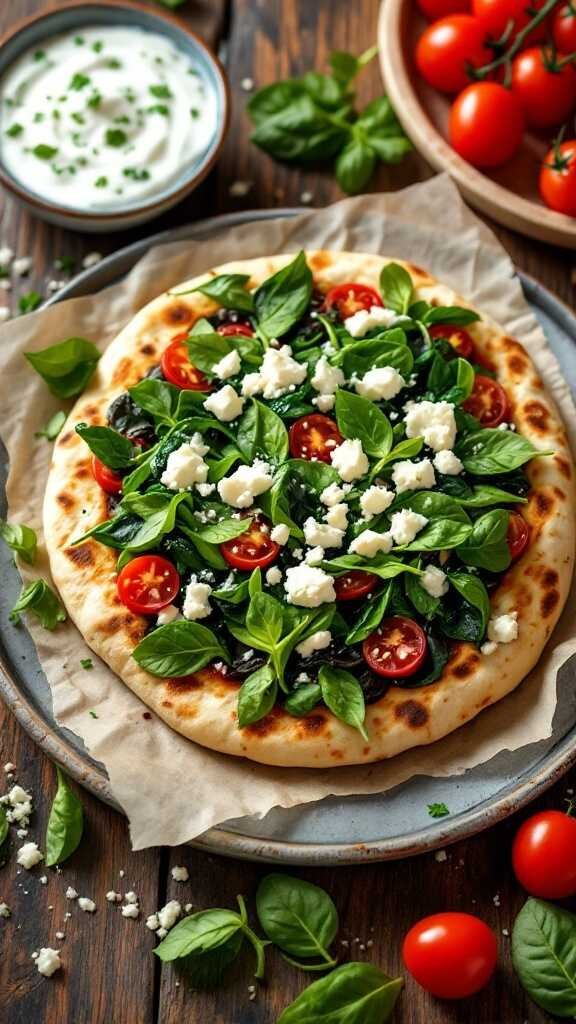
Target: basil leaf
{"points": [[361, 356], [448, 524], [144, 505], [283, 298], [345, 66], [178, 649], [114, 533], [273, 99], [260, 430], [226, 529], [220, 467], [37, 597], [274, 502], [132, 481], [4, 827], [452, 315], [315, 476], [298, 917], [228, 290], [67, 366], [299, 131], [343, 695], [489, 451], [264, 620], [107, 445], [426, 605], [256, 696], [384, 566], [206, 346], [157, 524], [199, 933], [451, 381], [354, 993], [324, 89], [303, 699], [485, 495], [53, 427], [20, 538], [255, 582], [396, 288], [472, 589], [406, 449], [360, 418], [379, 122], [487, 547], [233, 595], [208, 553], [544, 956], [65, 823], [206, 970], [157, 397], [355, 165], [371, 615]]}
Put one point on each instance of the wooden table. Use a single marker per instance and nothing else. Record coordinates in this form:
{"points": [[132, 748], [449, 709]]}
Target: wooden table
{"points": [[110, 975]]}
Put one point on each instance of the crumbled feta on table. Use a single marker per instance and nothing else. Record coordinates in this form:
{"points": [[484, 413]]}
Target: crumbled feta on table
{"points": [[180, 873], [29, 855], [48, 961], [86, 904]]}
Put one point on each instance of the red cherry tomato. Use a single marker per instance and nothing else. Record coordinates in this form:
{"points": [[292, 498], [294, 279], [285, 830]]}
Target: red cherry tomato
{"points": [[251, 549], [434, 9], [458, 338], [558, 178], [544, 855], [314, 438], [450, 955], [178, 369], [354, 584], [488, 402], [518, 537], [109, 480], [447, 48], [564, 29], [147, 584], [486, 124], [547, 96], [397, 648], [347, 299], [233, 330], [496, 15]]}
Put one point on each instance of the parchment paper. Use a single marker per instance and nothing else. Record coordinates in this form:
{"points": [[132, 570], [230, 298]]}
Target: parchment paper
{"points": [[170, 788]]}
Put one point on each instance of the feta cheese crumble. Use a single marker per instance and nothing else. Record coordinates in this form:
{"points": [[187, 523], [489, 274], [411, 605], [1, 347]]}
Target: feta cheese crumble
{"points": [[503, 629], [405, 525], [86, 904], [337, 516], [370, 543], [70, 893], [322, 534], [168, 614], [48, 961], [327, 378], [375, 500], [180, 873], [273, 575], [277, 372], [29, 855], [241, 487], [5, 910], [131, 910], [332, 495], [228, 366], [226, 404], [434, 581], [185, 467], [315, 555], [366, 319], [447, 463], [434, 421], [324, 402], [308, 587], [383, 382], [280, 534], [317, 642], [169, 914], [349, 460], [196, 604], [413, 476]]}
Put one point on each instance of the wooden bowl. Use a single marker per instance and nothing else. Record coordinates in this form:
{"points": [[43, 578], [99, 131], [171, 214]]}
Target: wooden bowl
{"points": [[509, 194]]}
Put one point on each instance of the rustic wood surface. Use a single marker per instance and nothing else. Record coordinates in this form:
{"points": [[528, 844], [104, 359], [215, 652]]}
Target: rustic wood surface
{"points": [[110, 975]]}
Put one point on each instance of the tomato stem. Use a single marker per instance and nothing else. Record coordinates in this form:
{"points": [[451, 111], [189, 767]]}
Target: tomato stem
{"points": [[506, 58]]}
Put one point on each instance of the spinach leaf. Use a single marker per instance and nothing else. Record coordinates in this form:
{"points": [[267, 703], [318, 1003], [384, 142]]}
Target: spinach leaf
{"points": [[354, 993], [489, 451], [199, 933], [260, 430], [426, 605], [451, 381], [298, 917], [209, 553], [343, 695], [448, 524], [67, 366], [160, 522], [294, 403], [157, 397], [487, 547], [355, 164], [37, 597], [281, 300], [114, 533], [462, 621], [20, 538], [264, 621], [53, 427], [236, 594], [132, 481], [456, 316], [220, 467], [256, 696], [228, 290], [65, 823], [370, 616], [206, 346], [384, 566], [226, 529], [396, 288], [485, 495], [178, 649], [108, 445], [472, 589], [360, 418], [544, 956], [303, 699], [361, 356]]}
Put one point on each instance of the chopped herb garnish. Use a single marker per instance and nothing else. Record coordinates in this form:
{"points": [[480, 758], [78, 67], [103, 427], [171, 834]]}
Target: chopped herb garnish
{"points": [[162, 92], [44, 152], [79, 40], [194, 112], [438, 810], [93, 714], [97, 46], [101, 182], [82, 161], [158, 60], [114, 64], [123, 119], [136, 173], [78, 139], [79, 118], [64, 263], [87, 663], [158, 108], [38, 117], [95, 100], [130, 96], [79, 81], [39, 55], [14, 130], [56, 115], [29, 302], [115, 137]]}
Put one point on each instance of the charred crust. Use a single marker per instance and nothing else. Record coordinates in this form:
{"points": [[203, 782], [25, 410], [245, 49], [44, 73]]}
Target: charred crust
{"points": [[266, 725], [467, 667], [518, 364], [65, 439], [412, 712], [542, 504], [313, 723], [148, 349], [124, 371], [537, 416], [564, 466], [184, 684], [65, 500], [177, 314], [549, 603], [82, 555], [82, 472], [320, 260]]}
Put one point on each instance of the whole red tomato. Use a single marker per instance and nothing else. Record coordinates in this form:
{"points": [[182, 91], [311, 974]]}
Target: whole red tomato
{"points": [[544, 855], [451, 955], [434, 9], [564, 29], [486, 124], [496, 16], [447, 48], [558, 178], [545, 88]]}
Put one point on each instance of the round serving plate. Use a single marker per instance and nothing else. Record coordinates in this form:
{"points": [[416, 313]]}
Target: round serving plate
{"points": [[509, 194], [333, 831]]}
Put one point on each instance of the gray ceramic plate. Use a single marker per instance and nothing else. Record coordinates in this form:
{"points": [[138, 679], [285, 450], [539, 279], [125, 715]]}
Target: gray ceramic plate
{"points": [[354, 829]]}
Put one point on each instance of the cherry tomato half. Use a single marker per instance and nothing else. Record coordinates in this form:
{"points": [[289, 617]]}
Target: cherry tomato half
{"points": [[397, 648], [178, 369], [486, 124], [446, 50], [488, 402], [354, 584], [434, 9], [518, 537], [109, 480], [564, 29], [451, 955], [496, 15], [252, 549], [458, 338], [147, 584], [558, 178], [347, 299], [547, 96], [544, 855], [314, 438], [233, 330]]}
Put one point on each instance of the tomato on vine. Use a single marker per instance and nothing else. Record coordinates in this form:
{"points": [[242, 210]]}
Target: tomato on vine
{"points": [[497, 15], [448, 48], [544, 85], [558, 178], [486, 124], [564, 28], [434, 9]]}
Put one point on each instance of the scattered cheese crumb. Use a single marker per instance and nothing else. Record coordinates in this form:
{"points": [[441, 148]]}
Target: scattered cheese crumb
{"points": [[47, 961], [86, 904], [71, 893], [29, 855], [440, 856], [22, 265], [238, 189], [91, 259], [247, 84], [131, 910], [113, 897], [180, 874], [5, 910]]}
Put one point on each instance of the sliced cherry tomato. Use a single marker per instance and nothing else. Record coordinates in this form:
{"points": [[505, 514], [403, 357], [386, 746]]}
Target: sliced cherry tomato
{"points": [[354, 584], [434, 9], [564, 29], [252, 549], [496, 15], [348, 299], [178, 369], [451, 955], [314, 438], [544, 855], [446, 50], [397, 648], [546, 91], [486, 124], [558, 178], [488, 402], [458, 338], [109, 480], [147, 584], [233, 330], [518, 536]]}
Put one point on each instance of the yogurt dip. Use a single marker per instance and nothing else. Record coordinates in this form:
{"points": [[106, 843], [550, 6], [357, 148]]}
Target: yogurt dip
{"points": [[103, 119]]}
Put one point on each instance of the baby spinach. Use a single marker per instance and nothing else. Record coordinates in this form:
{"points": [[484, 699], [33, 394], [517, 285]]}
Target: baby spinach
{"points": [[281, 300], [178, 649], [448, 524], [450, 381], [360, 418], [67, 366], [299, 918], [370, 616], [110, 447], [209, 931], [343, 695], [388, 349], [236, 594], [261, 432], [457, 316], [37, 597], [490, 450], [158, 523], [384, 566], [486, 547], [20, 538], [264, 620], [354, 993], [257, 696], [114, 533], [396, 288], [53, 427], [485, 495], [65, 823], [426, 605], [226, 529], [473, 590], [228, 290], [544, 956], [206, 346], [303, 699], [157, 397]]}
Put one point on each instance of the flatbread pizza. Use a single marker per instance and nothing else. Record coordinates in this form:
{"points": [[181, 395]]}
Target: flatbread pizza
{"points": [[313, 510]]}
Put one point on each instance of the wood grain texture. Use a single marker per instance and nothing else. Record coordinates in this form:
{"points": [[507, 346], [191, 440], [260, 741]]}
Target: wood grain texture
{"points": [[110, 974]]}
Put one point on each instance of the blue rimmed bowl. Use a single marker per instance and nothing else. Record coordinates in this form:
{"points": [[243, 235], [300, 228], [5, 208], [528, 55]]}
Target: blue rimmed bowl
{"points": [[33, 31]]}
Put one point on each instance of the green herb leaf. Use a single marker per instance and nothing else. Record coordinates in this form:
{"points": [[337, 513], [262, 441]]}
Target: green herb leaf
{"points": [[487, 547], [157, 397], [485, 495], [21, 539], [438, 810], [298, 917], [38, 598], [79, 81], [206, 346], [264, 620], [456, 316], [178, 649], [281, 300], [162, 92], [396, 288], [448, 525], [473, 590], [14, 130], [29, 302], [86, 663], [44, 152], [360, 418], [65, 824], [544, 956], [354, 993], [256, 696], [303, 699], [110, 447], [226, 529], [370, 616], [158, 523], [489, 451], [228, 290], [53, 427], [67, 366], [355, 165], [384, 566], [206, 970], [343, 695], [388, 349], [115, 137], [199, 933], [261, 431]]}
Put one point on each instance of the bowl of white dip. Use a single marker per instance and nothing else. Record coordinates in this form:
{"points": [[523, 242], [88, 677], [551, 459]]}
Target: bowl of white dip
{"points": [[110, 113]]}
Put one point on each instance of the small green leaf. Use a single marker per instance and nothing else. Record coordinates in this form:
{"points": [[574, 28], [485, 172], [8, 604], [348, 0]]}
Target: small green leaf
{"points": [[544, 956], [4, 828], [228, 290], [110, 447], [29, 302], [281, 300], [438, 810], [115, 137], [343, 695], [199, 933], [67, 366], [355, 166], [489, 451], [396, 287], [65, 824], [21, 539], [298, 917], [53, 427], [256, 696], [38, 598], [44, 152], [178, 649], [360, 418], [303, 699], [87, 663], [79, 81], [354, 993]]}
